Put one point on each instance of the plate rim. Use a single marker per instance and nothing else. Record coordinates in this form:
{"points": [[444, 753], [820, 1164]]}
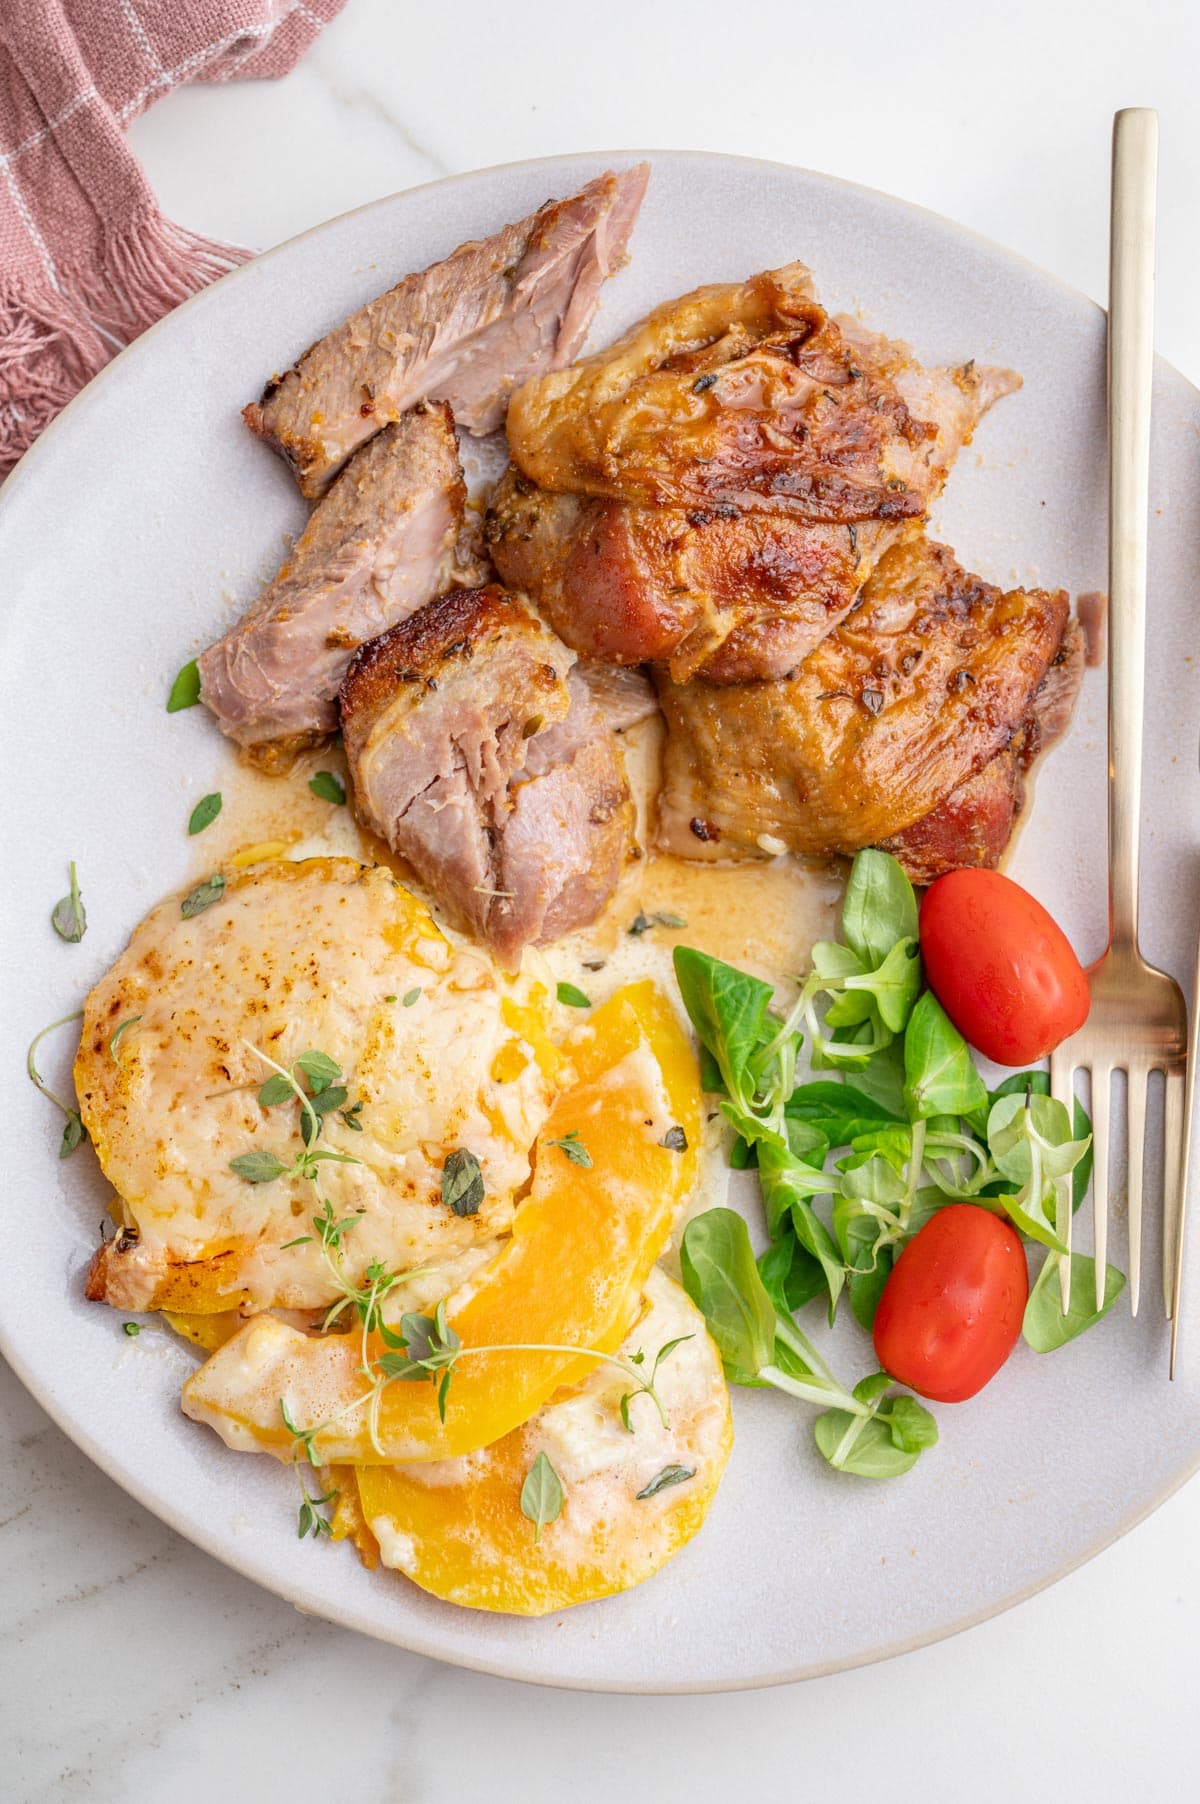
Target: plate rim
{"points": [[413, 1639]]}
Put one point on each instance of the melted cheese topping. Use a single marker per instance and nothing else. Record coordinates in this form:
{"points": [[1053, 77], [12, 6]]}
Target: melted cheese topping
{"points": [[295, 956]]}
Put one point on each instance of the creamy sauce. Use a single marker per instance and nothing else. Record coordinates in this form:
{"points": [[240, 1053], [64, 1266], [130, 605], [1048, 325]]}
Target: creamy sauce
{"points": [[762, 915]]}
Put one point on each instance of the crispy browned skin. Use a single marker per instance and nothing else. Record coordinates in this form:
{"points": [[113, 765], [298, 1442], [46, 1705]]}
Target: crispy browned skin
{"points": [[713, 491], [466, 330], [972, 827], [736, 596], [906, 701], [746, 396], [477, 751]]}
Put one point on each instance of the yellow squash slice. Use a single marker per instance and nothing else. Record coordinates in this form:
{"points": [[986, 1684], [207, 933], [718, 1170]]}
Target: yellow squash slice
{"points": [[571, 1275], [629, 1500]]}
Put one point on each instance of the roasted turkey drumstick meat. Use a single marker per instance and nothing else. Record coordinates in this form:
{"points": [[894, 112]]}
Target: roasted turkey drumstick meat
{"points": [[467, 330], [378, 547], [713, 491], [894, 717], [477, 752]]}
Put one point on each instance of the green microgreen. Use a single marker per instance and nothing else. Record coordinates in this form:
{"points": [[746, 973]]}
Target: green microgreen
{"points": [[74, 1133], [68, 916], [203, 896], [185, 690], [571, 996], [541, 1496], [573, 1147], [204, 813], [662, 1481], [642, 923], [129, 1021], [462, 1182], [328, 787]]}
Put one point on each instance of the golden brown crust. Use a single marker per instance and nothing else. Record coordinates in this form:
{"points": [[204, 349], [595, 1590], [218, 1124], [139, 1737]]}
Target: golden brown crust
{"points": [[414, 650], [925, 683]]}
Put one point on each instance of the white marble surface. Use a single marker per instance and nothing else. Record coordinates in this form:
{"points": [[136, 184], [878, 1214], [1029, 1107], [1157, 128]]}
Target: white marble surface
{"points": [[130, 1662]]}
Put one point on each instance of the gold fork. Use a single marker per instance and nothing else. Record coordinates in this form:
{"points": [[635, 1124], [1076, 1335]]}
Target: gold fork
{"points": [[1138, 1018]]}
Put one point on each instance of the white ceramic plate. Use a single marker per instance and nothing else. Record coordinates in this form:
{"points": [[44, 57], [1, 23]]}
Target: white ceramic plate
{"points": [[123, 536]]}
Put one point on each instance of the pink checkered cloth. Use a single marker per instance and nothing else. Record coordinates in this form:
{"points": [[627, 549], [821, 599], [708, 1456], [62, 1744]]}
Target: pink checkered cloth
{"points": [[87, 261]]}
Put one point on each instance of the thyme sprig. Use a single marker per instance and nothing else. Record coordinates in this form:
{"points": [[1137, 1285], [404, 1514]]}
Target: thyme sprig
{"points": [[427, 1347], [74, 1133]]}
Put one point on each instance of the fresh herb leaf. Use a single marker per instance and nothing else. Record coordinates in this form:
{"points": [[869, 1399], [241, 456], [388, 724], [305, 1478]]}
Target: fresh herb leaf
{"points": [[642, 923], [204, 813], [131, 1328], [675, 1139], [185, 690], [462, 1182], [410, 996], [319, 1069], [73, 1135], [68, 916], [203, 896], [257, 1167], [350, 1117], [541, 1495], [573, 1147], [329, 787], [277, 1089], [1045, 1327], [572, 997], [939, 1073], [326, 1101], [311, 1521], [129, 1021], [662, 1481]]}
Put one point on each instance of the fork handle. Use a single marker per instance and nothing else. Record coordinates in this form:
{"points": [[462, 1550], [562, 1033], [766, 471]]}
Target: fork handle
{"points": [[1130, 375]]}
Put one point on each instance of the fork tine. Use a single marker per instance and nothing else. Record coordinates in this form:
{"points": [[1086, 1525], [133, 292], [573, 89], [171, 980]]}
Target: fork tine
{"points": [[1135, 1106], [1101, 1086], [1062, 1088], [1172, 1176]]}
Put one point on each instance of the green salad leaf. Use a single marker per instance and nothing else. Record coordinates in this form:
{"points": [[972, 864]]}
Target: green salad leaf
{"points": [[1045, 1327], [939, 1073]]}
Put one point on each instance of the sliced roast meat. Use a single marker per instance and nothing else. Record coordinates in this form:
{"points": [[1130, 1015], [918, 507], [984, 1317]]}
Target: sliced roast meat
{"points": [[745, 581], [477, 752], [378, 546], [467, 330], [625, 697], [925, 684], [736, 597]]}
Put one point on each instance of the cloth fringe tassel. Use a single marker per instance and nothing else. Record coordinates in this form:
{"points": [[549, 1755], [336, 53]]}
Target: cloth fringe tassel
{"points": [[54, 337]]}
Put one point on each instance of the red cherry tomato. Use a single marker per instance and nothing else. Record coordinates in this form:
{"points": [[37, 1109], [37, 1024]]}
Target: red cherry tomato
{"points": [[1001, 967], [951, 1310]]}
